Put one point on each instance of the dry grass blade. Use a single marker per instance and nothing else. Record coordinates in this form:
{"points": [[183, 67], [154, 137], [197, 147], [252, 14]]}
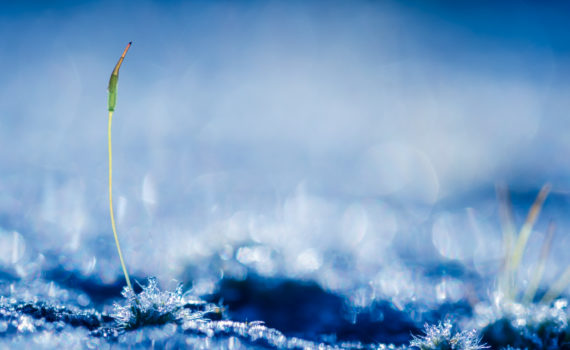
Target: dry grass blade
{"points": [[558, 287], [508, 229], [526, 229], [539, 270]]}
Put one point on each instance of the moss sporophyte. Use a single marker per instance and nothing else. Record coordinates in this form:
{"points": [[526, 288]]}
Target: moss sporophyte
{"points": [[112, 103], [152, 306]]}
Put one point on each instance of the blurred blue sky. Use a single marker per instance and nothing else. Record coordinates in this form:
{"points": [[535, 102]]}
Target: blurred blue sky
{"points": [[303, 90], [226, 106]]}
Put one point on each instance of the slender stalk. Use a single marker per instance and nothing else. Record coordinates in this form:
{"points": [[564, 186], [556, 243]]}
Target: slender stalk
{"points": [[112, 103], [506, 280], [557, 288], [526, 230], [539, 269], [111, 206]]}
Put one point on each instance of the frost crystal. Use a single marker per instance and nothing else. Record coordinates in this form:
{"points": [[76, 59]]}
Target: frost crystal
{"points": [[439, 338], [154, 307]]}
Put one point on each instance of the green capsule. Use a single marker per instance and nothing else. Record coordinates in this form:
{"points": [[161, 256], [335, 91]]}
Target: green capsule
{"points": [[115, 79]]}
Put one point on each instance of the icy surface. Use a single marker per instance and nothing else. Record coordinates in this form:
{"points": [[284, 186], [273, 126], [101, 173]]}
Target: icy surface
{"points": [[346, 297], [166, 319]]}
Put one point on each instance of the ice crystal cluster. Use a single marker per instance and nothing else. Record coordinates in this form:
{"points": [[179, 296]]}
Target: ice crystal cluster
{"points": [[156, 307], [534, 326], [442, 337]]}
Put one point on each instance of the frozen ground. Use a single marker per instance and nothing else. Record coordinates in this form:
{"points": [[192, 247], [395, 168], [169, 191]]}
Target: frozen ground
{"points": [[243, 286]]}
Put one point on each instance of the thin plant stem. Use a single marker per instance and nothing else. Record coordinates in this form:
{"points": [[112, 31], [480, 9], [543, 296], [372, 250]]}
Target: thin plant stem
{"points": [[111, 206], [113, 81], [508, 229], [526, 230], [557, 288], [539, 269]]}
